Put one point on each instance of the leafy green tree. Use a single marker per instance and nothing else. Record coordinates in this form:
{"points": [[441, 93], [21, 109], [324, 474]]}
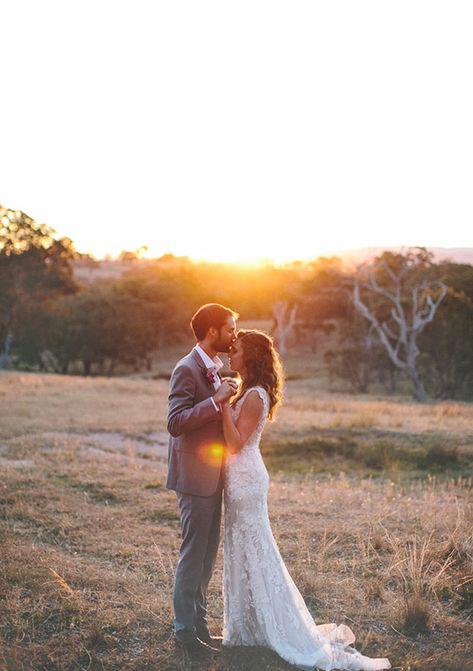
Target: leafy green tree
{"points": [[447, 342], [322, 300], [35, 268]]}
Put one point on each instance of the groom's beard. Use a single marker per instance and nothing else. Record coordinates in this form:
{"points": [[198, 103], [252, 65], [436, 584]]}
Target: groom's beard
{"points": [[220, 346]]}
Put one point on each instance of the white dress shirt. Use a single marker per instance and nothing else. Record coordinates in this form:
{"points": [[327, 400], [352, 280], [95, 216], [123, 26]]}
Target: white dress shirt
{"points": [[213, 366]]}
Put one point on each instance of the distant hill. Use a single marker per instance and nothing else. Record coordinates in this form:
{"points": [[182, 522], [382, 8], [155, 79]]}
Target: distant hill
{"points": [[364, 254], [89, 271]]}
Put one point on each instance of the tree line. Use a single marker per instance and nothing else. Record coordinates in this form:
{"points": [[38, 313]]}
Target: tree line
{"points": [[402, 314]]}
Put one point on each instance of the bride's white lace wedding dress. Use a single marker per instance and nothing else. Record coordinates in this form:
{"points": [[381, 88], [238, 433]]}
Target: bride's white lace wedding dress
{"points": [[262, 605]]}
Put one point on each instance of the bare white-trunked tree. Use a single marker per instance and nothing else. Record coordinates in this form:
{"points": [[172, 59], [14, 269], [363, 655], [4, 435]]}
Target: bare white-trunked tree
{"points": [[413, 299]]}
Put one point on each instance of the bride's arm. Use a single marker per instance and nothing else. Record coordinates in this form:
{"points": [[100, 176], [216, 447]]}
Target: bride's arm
{"points": [[237, 434]]}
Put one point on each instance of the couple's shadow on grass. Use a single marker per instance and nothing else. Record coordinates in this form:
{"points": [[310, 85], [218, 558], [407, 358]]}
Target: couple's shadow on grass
{"points": [[235, 658]]}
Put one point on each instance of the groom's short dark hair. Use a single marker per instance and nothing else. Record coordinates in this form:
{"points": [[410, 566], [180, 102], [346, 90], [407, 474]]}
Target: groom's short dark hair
{"points": [[208, 315]]}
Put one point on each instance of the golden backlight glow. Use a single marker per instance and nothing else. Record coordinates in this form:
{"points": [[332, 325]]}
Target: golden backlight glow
{"points": [[211, 454], [243, 245]]}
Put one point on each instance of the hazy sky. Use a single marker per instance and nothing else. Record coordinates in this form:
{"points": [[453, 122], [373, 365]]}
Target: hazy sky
{"points": [[240, 130]]}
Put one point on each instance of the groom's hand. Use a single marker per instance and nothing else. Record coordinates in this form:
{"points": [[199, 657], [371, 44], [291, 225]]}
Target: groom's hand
{"points": [[232, 382], [226, 389]]}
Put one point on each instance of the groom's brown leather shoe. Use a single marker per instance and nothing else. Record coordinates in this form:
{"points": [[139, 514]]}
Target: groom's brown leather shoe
{"points": [[189, 642]]}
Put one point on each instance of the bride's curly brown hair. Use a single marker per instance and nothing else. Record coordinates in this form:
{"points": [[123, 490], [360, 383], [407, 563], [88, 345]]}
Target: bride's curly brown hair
{"points": [[262, 367]]}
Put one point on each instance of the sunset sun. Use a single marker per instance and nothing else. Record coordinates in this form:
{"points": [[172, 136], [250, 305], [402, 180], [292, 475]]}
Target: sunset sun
{"points": [[242, 243]]}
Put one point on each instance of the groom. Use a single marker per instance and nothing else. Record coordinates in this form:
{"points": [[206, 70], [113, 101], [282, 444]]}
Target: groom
{"points": [[195, 468]]}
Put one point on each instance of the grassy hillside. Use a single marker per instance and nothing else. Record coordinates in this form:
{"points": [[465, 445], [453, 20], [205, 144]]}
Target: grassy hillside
{"points": [[370, 501]]}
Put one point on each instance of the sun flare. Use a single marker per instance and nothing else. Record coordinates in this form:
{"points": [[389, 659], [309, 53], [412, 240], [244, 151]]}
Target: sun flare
{"points": [[211, 454]]}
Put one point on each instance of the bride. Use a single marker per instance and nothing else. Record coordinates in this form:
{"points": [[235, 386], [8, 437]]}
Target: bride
{"points": [[262, 605]]}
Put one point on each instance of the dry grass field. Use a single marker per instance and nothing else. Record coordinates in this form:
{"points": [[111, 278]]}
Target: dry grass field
{"points": [[371, 503]]}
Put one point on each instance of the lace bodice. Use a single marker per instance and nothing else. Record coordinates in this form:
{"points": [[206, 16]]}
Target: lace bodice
{"points": [[253, 441], [245, 472]]}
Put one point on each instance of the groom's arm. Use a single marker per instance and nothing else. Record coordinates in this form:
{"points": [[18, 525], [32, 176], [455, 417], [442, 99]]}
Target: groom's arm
{"points": [[183, 415]]}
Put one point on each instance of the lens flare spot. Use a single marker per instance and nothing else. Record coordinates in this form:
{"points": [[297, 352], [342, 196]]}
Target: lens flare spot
{"points": [[212, 454]]}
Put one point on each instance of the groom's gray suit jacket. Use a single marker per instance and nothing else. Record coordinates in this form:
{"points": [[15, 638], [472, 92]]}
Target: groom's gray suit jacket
{"points": [[194, 463]]}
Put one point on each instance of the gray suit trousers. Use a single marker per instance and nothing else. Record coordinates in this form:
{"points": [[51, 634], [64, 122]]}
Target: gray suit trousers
{"points": [[200, 521]]}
